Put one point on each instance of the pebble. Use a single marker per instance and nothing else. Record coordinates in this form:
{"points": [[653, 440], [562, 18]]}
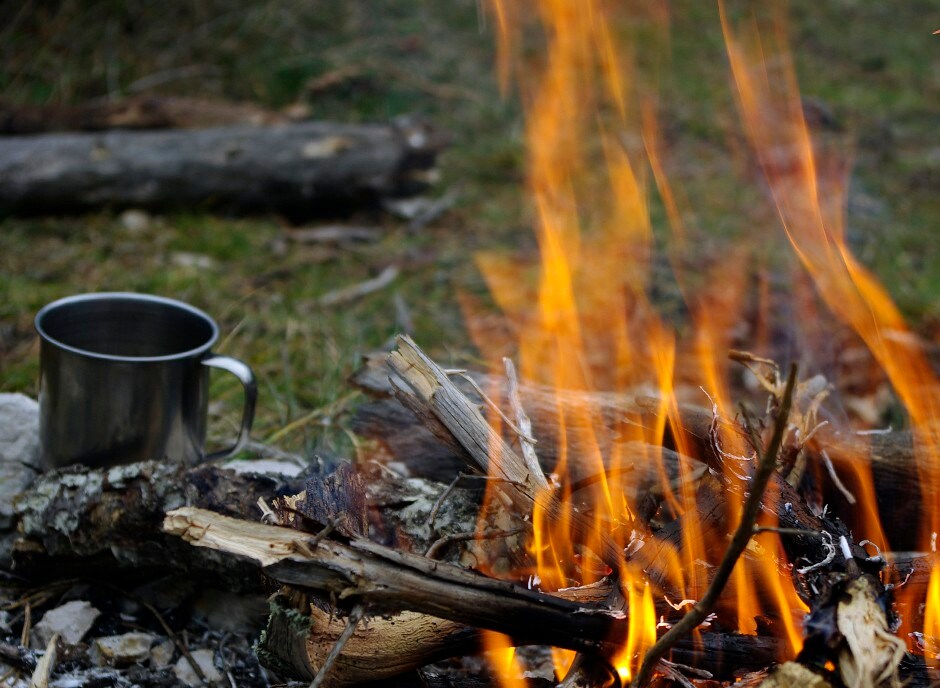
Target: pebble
{"points": [[71, 621], [122, 650], [161, 654], [206, 661]]}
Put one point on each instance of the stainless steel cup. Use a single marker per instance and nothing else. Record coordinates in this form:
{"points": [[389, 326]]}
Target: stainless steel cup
{"points": [[124, 377]]}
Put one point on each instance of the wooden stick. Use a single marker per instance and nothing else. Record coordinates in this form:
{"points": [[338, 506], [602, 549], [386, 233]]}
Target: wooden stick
{"points": [[765, 467]]}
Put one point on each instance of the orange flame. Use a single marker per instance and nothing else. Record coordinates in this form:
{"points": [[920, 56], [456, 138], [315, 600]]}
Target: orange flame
{"points": [[586, 324], [810, 201]]}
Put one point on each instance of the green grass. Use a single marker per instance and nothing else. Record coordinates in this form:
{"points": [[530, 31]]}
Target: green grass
{"points": [[873, 66]]}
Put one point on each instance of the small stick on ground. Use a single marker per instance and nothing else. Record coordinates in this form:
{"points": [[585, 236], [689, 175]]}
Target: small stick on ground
{"points": [[765, 467], [355, 616]]}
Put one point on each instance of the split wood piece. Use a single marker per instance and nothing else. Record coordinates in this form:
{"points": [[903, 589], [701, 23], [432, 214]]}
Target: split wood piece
{"points": [[300, 169], [138, 112], [91, 520], [389, 581], [428, 391]]}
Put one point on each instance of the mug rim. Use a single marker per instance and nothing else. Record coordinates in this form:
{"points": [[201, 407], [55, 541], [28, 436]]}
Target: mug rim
{"points": [[127, 296]]}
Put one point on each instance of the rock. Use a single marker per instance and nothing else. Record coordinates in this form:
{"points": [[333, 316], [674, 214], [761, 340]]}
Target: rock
{"points": [[226, 611], [122, 650], [19, 453], [71, 621], [135, 221], [161, 654], [205, 659], [19, 429]]}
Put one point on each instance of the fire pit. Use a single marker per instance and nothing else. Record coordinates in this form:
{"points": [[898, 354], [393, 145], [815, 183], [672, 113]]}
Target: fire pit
{"points": [[616, 494]]}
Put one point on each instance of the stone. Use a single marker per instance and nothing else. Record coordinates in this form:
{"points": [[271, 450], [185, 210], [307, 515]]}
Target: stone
{"points": [[19, 453], [71, 621], [19, 429], [161, 654], [205, 659], [122, 650]]}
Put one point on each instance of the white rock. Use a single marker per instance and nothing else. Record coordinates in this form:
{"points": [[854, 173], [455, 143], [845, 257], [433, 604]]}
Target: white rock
{"points": [[135, 221], [122, 650], [19, 429], [205, 660], [161, 654], [71, 621]]}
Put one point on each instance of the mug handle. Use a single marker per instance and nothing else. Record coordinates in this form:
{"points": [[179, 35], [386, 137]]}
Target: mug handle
{"points": [[247, 378]]}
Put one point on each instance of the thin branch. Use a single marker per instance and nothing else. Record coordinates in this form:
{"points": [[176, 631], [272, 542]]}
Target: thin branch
{"points": [[742, 536], [849, 497], [439, 502], [355, 616], [525, 425], [442, 542]]}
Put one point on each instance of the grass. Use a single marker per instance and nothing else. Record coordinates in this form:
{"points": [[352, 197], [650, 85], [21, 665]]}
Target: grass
{"points": [[872, 65]]}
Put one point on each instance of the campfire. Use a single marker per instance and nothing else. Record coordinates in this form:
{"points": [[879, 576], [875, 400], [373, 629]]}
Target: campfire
{"points": [[616, 495]]}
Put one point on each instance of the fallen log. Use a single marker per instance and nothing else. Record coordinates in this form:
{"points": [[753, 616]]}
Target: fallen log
{"points": [[300, 169], [108, 520]]}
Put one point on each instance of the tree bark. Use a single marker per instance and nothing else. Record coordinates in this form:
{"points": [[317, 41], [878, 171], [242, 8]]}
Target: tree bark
{"points": [[100, 521], [298, 169]]}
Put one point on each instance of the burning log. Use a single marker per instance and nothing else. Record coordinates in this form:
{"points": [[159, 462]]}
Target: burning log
{"points": [[301, 169]]}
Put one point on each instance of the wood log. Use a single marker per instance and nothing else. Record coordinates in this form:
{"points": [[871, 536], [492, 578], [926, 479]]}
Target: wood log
{"points": [[388, 581], [107, 520], [300, 169], [890, 457]]}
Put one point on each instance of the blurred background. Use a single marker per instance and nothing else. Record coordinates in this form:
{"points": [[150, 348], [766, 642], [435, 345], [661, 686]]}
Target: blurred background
{"points": [[869, 74]]}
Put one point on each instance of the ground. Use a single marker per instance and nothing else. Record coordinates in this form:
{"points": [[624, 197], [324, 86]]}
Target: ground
{"points": [[870, 70]]}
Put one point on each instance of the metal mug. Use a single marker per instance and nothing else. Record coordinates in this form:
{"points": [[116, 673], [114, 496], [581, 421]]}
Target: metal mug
{"points": [[124, 377]]}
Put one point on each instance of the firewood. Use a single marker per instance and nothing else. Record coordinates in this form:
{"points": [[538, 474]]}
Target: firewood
{"points": [[388, 581], [890, 456], [102, 520], [297, 169]]}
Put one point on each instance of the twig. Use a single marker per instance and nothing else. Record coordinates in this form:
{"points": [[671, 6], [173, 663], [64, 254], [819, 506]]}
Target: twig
{"points": [[355, 616], [355, 291], [40, 677], [742, 535], [442, 542], [452, 486], [849, 497], [525, 425], [27, 624]]}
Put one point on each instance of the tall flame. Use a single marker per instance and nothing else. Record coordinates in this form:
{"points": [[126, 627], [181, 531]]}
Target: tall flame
{"points": [[586, 325], [810, 201]]}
